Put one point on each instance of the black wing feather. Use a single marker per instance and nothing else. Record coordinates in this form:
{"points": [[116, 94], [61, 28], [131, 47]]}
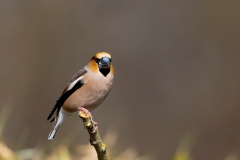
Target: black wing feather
{"points": [[66, 93], [64, 97]]}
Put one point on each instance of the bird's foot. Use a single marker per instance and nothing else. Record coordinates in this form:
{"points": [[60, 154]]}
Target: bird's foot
{"points": [[95, 125], [85, 111]]}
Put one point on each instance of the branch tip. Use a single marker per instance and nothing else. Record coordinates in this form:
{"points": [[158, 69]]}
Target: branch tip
{"points": [[83, 114], [95, 139]]}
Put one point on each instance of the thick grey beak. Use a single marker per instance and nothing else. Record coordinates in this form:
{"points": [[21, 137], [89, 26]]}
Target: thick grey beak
{"points": [[105, 63]]}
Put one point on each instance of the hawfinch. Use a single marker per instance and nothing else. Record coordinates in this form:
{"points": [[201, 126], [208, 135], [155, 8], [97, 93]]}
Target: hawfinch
{"points": [[86, 90]]}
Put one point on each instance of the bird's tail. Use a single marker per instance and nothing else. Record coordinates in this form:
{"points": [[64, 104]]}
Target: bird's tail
{"points": [[61, 116]]}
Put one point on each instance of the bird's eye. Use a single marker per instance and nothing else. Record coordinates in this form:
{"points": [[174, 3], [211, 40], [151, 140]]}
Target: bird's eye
{"points": [[96, 60]]}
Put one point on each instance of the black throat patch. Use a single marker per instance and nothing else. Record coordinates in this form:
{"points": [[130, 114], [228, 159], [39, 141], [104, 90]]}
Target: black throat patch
{"points": [[104, 71]]}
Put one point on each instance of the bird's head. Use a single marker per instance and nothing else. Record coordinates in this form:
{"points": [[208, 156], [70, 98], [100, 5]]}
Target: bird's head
{"points": [[102, 61]]}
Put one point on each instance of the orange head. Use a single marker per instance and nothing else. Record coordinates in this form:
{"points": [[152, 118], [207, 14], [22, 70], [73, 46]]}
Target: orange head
{"points": [[102, 62]]}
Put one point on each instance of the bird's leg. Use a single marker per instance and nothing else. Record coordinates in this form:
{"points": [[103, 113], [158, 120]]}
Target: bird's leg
{"points": [[88, 113], [95, 125]]}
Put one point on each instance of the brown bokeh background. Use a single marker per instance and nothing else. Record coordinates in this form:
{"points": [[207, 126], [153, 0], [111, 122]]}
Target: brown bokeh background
{"points": [[177, 69]]}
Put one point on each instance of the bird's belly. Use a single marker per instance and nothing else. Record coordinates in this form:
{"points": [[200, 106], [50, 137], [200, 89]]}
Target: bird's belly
{"points": [[86, 97], [95, 99]]}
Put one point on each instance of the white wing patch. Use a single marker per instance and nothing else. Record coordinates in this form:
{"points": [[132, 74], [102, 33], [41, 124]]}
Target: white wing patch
{"points": [[71, 85]]}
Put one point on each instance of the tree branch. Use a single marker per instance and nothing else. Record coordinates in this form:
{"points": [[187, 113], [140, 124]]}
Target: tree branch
{"points": [[95, 138]]}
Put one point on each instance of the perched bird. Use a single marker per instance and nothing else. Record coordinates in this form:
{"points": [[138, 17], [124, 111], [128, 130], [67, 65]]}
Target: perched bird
{"points": [[86, 90]]}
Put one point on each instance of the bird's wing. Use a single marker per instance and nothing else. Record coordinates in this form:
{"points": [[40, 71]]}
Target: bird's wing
{"points": [[74, 84]]}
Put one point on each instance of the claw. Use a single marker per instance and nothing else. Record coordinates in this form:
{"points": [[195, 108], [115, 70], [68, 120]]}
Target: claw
{"points": [[95, 125], [88, 113]]}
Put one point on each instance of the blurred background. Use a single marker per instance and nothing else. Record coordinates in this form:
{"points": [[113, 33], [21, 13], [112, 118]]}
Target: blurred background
{"points": [[177, 69]]}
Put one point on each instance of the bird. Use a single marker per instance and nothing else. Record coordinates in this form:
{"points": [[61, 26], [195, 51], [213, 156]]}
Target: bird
{"points": [[86, 90]]}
